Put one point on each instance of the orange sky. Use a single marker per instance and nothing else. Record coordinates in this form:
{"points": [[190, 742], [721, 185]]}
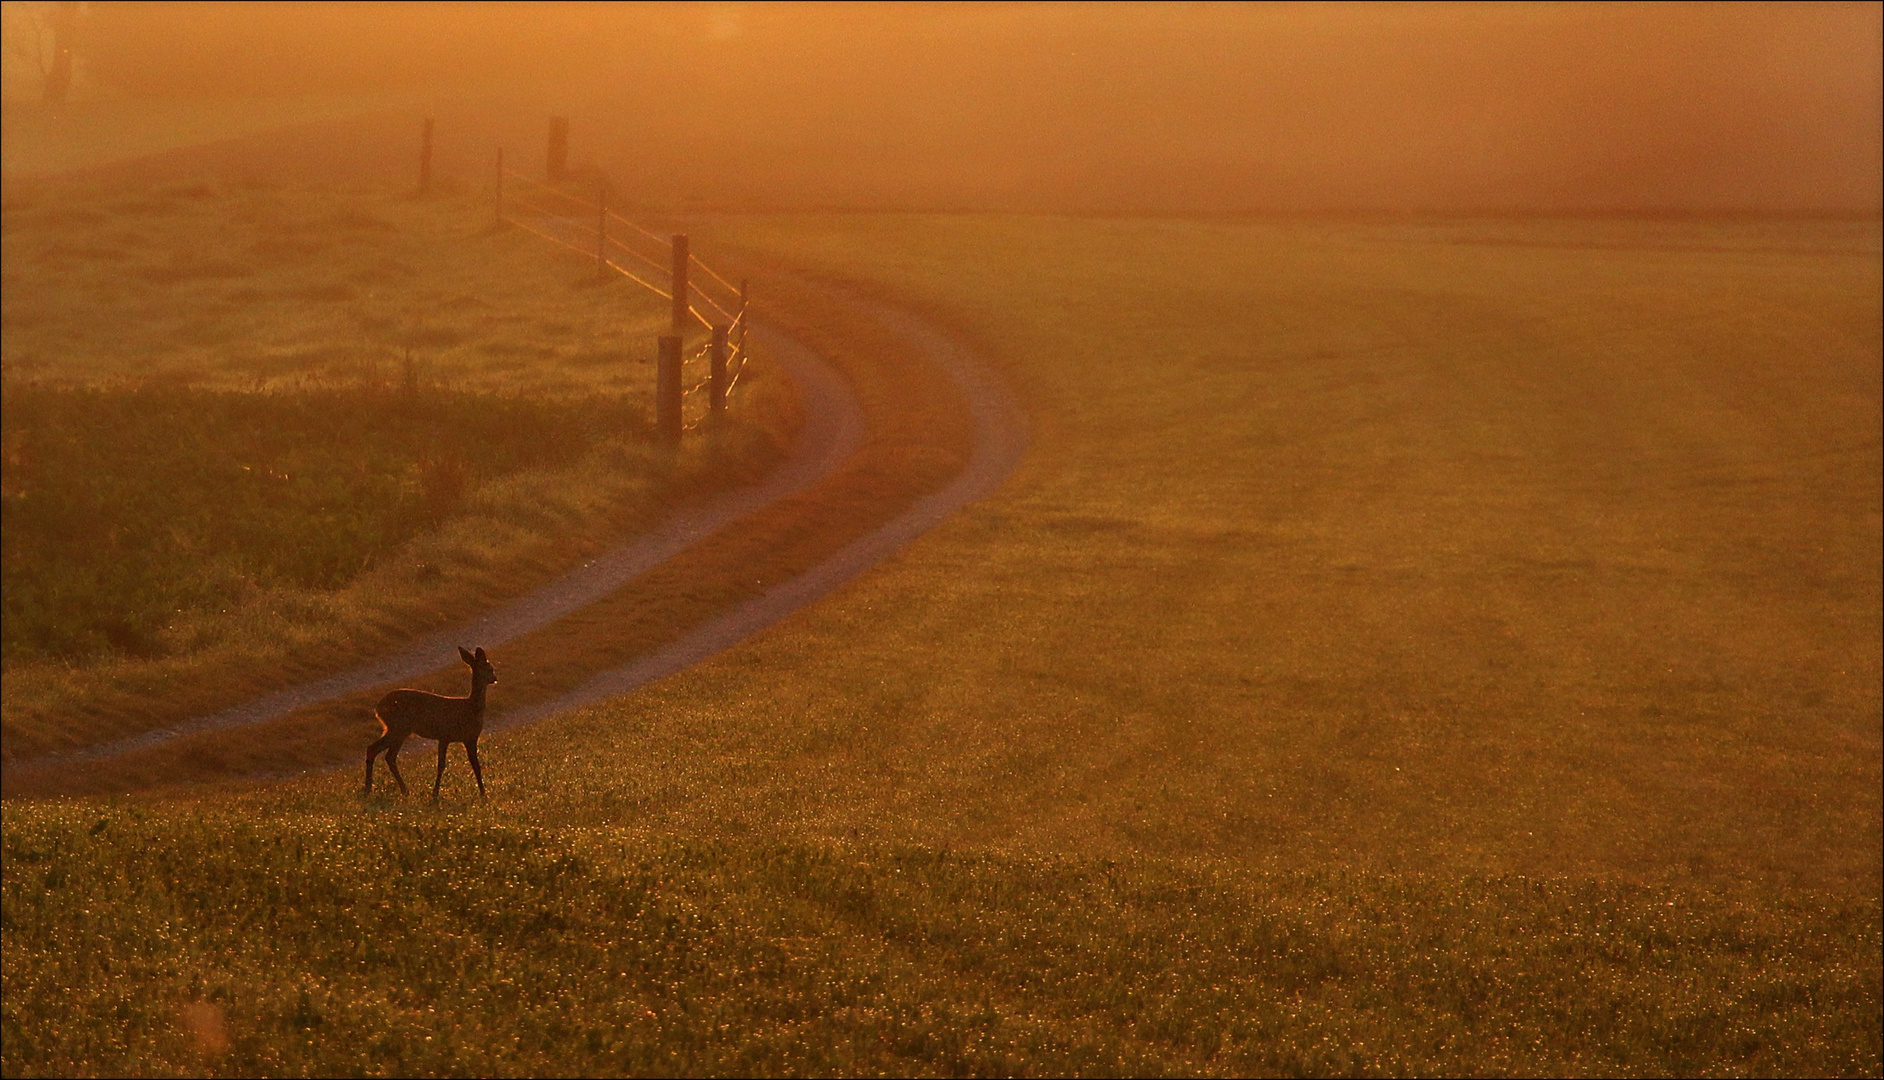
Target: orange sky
{"points": [[1180, 107]]}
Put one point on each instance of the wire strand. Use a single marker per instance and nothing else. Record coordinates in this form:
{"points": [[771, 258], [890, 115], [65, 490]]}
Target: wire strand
{"points": [[577, 200], [697, 290], [702, 294], [547, 236], [631, 251], [559, 193], [729, 285], [618, 268], [656, 237], [655, 289]]}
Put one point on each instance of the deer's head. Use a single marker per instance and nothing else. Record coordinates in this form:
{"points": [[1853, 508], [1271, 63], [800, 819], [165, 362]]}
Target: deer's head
{"points": [[482, 673]]}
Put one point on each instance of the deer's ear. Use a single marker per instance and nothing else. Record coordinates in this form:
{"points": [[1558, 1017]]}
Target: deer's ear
{"points": [[480, 652], [466, 655]]}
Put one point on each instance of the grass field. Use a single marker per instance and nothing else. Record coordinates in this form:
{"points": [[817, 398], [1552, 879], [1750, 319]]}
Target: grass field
{"points": [[1409, 646], [256, 429], [280, 938], [1544, 547]]}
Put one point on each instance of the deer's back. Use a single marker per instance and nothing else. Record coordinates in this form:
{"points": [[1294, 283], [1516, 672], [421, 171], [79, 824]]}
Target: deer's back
{"points": [[428, 715]]}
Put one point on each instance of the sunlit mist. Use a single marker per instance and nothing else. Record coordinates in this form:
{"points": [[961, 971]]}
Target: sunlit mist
{"points": [[1191, 107]]}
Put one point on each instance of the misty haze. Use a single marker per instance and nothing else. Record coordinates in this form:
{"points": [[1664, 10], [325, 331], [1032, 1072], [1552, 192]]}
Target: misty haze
{"points": [[1127, 539]]}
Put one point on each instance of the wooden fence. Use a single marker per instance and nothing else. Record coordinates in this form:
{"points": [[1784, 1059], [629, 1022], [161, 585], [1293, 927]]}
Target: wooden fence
{"points": [[555, 209]]}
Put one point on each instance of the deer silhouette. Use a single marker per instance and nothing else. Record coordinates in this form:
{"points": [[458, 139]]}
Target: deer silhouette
{"points": [[405, 713]]}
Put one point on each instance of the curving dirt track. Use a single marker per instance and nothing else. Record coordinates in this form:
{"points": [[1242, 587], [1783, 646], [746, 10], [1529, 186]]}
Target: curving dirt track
{"points": [[1000, 437], [832, 432]]}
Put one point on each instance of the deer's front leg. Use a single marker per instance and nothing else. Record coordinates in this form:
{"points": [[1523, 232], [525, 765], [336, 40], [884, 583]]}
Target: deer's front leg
{"points": [[477, 769]]}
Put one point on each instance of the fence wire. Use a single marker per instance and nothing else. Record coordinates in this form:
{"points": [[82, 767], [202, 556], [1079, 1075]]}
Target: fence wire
{"points": [[729, 285], [518, 210], [632, 253], [578, 202]]}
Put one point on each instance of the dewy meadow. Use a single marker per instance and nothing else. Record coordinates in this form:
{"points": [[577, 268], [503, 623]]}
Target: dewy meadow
{"points": [[1323, 541]]}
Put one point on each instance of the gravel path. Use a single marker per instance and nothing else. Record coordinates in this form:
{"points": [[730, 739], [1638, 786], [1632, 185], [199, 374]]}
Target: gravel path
{"points": [[1000, 439], [832, 431]]}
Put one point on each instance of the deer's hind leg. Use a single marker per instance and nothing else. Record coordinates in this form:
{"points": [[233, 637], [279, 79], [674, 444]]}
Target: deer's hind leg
{"points": [[392, 759], [477, 769], [371, 753]]}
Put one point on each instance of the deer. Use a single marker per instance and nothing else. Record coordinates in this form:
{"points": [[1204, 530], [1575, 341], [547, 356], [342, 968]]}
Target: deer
{"points": [[405, 713]]}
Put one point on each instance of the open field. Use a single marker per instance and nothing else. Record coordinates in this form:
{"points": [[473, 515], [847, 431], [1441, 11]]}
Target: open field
{"points": [[1409, 646], [277, 937], [1546, 547], [255, 429]]}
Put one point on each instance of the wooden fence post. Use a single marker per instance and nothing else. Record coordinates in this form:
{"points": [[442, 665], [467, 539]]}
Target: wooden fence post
{"points": [[679, 279], [667, 391], [557, 165], [745, 322], [425, 158], [716, 378], [500, 185], [601, 231]]}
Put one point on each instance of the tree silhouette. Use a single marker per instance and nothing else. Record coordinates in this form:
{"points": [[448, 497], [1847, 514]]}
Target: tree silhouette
{"points": [[45, 35]]}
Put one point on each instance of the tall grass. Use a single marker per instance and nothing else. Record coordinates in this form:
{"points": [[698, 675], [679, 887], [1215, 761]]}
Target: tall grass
{"points": [[127, 507]]}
